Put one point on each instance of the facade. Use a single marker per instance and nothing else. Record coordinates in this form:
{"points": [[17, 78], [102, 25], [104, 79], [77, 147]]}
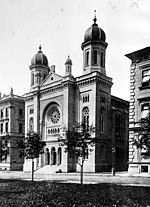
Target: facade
{"points": [[12, 128], [139, 160], [55, 102]]}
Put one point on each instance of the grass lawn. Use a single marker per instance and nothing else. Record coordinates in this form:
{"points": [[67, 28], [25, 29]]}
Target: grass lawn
{"points": [[19, 193]]}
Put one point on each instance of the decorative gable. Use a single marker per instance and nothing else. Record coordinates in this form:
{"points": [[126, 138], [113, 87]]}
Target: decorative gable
{"points": [[52, 79]]}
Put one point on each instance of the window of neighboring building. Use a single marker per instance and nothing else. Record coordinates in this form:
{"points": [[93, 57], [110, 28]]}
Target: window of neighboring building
{"points": [[20, 112], [145, 78], [2, 113], [85, 116], [1, 127], [6, 111], [87, 58], [95, 57], [6, 127], [102, 59], [145, 110], [31, 124], [20, 128], [31, 111]]}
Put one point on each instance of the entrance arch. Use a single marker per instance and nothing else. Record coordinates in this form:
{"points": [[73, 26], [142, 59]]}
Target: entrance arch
{"points": [[53, 156], [47, 157]]}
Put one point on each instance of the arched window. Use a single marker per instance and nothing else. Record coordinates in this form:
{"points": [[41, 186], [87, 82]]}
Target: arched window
{"points": [[95, 57], [85, 116], [53, 114], [87, 58], [53, 156], [59, 156], [102, 112], [31, 124], [102, 59]]}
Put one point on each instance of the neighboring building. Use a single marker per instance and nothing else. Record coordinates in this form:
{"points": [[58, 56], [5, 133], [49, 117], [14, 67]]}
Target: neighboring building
{"points": [[139, 160], [12, 126], [56, 101]]}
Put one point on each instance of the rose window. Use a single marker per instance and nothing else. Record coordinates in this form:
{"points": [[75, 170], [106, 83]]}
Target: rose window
{"points": [[54, 115]]}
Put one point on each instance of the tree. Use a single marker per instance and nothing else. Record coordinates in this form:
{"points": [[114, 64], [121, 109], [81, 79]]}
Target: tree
{"points": [[31, 147], [143, 141], [77, 142], [4, 149]]}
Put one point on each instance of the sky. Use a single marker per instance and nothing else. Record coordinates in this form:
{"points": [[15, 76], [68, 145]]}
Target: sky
{"points": [[59, 26]]}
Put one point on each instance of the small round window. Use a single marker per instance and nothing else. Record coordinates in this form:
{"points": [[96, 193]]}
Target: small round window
{"points": [[54, 114]]}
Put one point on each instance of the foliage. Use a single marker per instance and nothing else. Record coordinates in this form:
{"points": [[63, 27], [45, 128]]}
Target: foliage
{"points": [[143, 140], [4, 149], [77, 142], [78, 139], [32, 146]]}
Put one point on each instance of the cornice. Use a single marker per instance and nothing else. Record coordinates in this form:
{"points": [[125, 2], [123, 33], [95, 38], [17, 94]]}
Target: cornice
{"points": [[95, 79]]}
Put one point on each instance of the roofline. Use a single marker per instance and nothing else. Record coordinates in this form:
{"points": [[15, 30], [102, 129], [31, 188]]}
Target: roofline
{"points": [[135, 54]]}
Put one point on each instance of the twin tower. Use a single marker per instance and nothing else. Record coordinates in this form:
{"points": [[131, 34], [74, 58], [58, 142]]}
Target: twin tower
{"points": [[94, 52]]}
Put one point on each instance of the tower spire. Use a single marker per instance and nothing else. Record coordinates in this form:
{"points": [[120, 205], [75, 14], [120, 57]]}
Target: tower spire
{"points": [[95, 19]]}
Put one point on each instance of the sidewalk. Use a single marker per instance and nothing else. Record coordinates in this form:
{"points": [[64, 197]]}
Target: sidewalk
{"points": [[121, 178]]}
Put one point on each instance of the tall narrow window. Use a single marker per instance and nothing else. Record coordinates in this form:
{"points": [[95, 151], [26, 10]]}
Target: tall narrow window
{"points": [[1, 127], [87, 58], [2, 113], [95, 57], [32, 79], [6, 127], [6, 112], [102, 120], [20, 128], [85, 116], [31, 124], [20, 112], [102, 59]]}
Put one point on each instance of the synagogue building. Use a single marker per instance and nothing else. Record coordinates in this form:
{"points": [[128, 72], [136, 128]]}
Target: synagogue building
{"points": [[55, 101]]}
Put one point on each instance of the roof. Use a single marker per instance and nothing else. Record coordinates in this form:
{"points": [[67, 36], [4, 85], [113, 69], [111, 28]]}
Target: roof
{"points": [[143, 53]]}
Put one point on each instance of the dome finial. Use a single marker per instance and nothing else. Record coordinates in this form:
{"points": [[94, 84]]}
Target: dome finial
{"points": [[94, 17], [40, 48]]}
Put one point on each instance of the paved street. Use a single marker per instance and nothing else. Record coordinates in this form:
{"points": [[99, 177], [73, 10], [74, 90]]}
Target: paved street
{"points": [[120, 178]]}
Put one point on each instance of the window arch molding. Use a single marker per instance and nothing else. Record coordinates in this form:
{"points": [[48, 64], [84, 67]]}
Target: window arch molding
{"points": [[52, 114]]}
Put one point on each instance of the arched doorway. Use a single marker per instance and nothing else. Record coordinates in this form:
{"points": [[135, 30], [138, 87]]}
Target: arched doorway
{"points": [[47, 157], [53, 156], [59, 156]]}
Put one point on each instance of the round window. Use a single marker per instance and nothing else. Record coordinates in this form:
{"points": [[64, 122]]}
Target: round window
{"points": [[54, 115]]}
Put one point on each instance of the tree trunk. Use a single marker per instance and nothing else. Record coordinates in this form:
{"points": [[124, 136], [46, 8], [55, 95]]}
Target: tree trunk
{"points": [[82, 162], [32, 169]]}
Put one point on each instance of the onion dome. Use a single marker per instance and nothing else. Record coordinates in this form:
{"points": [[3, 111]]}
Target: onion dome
{"points": [[39, 58], [68, 61], [94, 33]]}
